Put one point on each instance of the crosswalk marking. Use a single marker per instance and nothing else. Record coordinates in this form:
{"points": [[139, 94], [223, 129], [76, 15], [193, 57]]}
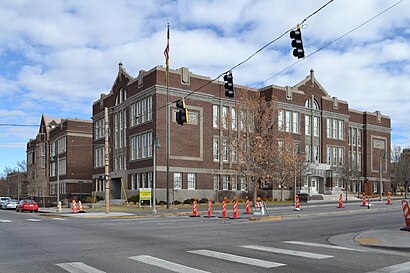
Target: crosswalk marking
{"points": [[166, 264], [321, 245], [34, 220], [79, 267], [288, 252], [398, 268], [5, 221], [59, 219], [236, 258]]}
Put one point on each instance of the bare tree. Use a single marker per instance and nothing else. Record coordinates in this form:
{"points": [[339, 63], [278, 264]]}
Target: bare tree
{"points": [[402, 170]]}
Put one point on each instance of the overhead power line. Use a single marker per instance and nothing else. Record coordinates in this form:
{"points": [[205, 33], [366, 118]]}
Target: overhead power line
{"points": [[330, 43]]}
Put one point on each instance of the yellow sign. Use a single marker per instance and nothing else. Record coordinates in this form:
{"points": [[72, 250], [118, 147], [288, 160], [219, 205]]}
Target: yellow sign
{"points": [[145, 194]]}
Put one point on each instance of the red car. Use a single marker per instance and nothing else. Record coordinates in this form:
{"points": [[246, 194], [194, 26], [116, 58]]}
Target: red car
{"points": [[27, 205]]}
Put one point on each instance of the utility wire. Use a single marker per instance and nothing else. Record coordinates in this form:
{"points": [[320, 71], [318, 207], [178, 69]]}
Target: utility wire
{"points": [[232, 68], [330, 43]]}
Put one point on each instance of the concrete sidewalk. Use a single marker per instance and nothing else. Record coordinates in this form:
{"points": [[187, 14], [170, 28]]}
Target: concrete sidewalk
{"points": [[385, 238]]}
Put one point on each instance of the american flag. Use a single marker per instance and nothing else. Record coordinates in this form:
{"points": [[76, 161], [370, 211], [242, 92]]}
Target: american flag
{"points": [[166, 54]]}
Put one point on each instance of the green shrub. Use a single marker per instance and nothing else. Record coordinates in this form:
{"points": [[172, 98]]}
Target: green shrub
{"points": [[177, 202], [135, 199], [189, 201], [203, 201]]}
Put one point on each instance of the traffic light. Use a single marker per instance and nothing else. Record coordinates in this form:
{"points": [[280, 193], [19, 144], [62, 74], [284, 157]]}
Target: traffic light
{"points": [[296, 36], [182, 114], [228, 78]]}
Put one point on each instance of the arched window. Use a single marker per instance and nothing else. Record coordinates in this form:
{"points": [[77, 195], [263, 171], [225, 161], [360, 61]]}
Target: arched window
{"points": [[309, 105]]}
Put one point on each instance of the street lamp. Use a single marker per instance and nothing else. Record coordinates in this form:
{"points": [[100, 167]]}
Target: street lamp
{"points": [[16, 170], [154, 176], [381, 173], [58, 181]]}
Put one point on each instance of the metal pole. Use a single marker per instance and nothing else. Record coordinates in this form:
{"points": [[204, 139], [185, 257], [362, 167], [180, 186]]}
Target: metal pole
{"points": [[58, 181], [106, 177], [294, 197], [381, 176], [168, 142], [154, 176]]}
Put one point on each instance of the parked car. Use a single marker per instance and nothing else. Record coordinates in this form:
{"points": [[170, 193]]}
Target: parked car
{"points": [[11, 204], [27, 205], [2, 199]]}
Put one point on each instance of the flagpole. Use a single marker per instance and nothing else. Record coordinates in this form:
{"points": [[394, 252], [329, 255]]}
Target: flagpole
{"points": [[167, 122]]}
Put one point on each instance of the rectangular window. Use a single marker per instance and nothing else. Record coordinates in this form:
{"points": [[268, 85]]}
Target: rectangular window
{"points": [[144, 180], [149, 144], [133, 115], [354, 136], [226, 150], [334, 160], [349, 136], [225, 117], [329, 128], [233, 117], [216, 182], [307, 125], [287, 119], [224, 182], [43, 154], [138, 116], [359, 137], [144, 145], [308, 152], [149, 101], [233, 154], [316, 154], [243, 120], [191, 181], [316, 126], [215, 116], [359, 161], [234, 185], [341, 129], [295, 122], [138, 180], [139, 152], [216, 148], [280, 120], [243, 184], [144, 111], [341, 156], [133, 148], [334, 128], [133, 182], [329, 155], [178, 181]]}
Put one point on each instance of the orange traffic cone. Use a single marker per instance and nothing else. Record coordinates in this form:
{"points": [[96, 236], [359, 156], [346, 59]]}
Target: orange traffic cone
{"points": [[224, 208], [209, 209], [235, 209], [248, 206], [80, 206], [340, 201], [297, 205], [74, 206], [406, 212], [364, 200], [194, 209], [388, 199]]}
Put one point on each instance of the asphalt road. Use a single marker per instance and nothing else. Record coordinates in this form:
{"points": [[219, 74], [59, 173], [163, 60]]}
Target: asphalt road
{"points": [[33, 243]]}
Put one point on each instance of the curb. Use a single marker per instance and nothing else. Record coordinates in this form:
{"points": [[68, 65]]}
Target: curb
{"points": [[265, 218]]}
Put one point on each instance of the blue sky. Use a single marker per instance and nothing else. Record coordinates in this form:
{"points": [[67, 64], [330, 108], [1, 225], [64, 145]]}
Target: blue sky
{"points": [[57, 56]]}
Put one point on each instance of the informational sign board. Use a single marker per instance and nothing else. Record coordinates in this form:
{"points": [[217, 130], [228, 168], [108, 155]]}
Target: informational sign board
{"points": [[145, 195]]}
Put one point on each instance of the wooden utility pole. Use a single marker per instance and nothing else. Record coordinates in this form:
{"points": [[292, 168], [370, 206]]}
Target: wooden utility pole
{"points": [[106, 177]]}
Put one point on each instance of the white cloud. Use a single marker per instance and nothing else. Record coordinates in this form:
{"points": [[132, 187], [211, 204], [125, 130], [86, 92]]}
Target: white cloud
{"points": [[65, 53]]}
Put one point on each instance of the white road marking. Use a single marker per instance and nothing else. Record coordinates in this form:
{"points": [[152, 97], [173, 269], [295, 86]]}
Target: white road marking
{"points": [[59, 219], [321, 245], [398, 268], [166, 264], [34, 220], [288, 252], [5, 221], [236, 258], [79, 267]]}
